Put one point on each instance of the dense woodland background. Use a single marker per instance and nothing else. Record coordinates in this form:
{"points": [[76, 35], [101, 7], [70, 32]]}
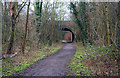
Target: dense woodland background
{"points": [[32, 28], [25, 29], [94, 23]]}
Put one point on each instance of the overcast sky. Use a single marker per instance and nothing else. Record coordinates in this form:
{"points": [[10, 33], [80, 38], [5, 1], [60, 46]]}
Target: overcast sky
{"points": [[65, 7], [65, 0]]}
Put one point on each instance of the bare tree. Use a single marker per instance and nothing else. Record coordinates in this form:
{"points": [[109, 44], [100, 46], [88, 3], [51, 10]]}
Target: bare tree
{"points": [[13, 21], [26, 27]]}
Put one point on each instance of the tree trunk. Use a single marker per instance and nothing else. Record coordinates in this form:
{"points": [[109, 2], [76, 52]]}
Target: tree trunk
{"points": [[107, 22], [118, 34], [12, 12], [26, 27]]}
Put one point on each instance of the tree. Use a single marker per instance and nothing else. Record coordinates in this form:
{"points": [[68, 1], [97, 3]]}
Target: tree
{"points": [[118, 34], [26, 27], [38, 13], [107, 22], [82, 22], [13, 21], [12, 11]]}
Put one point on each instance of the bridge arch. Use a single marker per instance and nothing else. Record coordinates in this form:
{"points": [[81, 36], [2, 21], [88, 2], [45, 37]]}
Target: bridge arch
{"points": [[67, 29]]}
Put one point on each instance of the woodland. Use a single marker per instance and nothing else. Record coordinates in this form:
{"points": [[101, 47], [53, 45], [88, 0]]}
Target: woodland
{"points": [[33, 30]]}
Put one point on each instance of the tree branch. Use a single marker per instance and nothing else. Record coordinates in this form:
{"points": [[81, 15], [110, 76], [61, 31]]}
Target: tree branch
{"points": [[20, 10]]}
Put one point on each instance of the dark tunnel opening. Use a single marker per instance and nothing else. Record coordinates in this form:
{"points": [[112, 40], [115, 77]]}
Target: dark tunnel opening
{"points": [[67, 29]]}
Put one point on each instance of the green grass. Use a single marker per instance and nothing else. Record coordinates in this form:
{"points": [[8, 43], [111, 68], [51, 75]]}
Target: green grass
{"points": [[94, 60], [12, 65], [78, 69]]}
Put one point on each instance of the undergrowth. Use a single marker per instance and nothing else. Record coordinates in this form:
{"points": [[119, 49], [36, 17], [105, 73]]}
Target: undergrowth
{"points": [[18, 63], [94, 61]]}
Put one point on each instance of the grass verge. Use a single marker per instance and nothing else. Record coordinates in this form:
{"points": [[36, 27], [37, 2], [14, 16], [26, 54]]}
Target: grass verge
{"points": [[94, 61], [18, 63], [75, 67]]}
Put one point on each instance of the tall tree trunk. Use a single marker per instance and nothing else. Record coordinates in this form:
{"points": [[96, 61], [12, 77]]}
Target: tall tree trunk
{"points": [[38, 13], [59, 33], [12, 13], [53, 19], [1, 13], [78, 23], [107, 22], [118, 42], [13, 21], [26, 27]]}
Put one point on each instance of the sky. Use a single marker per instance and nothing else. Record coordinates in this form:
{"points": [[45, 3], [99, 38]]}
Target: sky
{"points": [[65, 7], [66, 0]]}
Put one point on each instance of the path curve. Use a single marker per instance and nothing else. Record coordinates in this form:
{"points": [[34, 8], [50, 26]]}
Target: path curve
{"points": [[53, 65]]}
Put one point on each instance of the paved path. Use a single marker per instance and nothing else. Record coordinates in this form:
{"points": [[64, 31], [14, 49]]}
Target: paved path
{"points": [[53, 65]]}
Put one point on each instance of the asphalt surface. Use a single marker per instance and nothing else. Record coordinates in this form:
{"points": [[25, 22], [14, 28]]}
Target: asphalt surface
{"points": [[53, 65]]}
